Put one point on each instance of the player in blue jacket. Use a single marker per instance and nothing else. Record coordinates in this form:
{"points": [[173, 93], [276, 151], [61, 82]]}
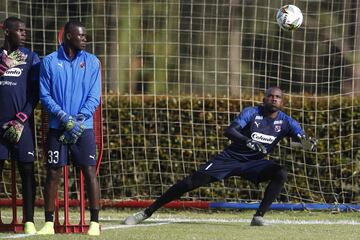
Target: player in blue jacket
{"points": [[19, 94], [254, 133], [70, 92]]}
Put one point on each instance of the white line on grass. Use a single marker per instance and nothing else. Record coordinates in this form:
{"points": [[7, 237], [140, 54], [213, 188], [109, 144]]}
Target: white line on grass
{"points": [[240, 220], [271, 221], [18, 236], [132, 226]]}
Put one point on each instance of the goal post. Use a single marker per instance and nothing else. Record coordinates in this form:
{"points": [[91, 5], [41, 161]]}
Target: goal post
{"points": [[176, 73]]}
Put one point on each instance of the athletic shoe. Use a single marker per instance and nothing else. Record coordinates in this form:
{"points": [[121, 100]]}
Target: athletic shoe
{"points": [[258, 221], [94, 229], [29, 228], [47, 229], [136, 218]]}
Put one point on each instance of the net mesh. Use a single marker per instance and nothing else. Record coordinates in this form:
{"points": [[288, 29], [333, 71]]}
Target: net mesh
{"points": [[176, 73]]}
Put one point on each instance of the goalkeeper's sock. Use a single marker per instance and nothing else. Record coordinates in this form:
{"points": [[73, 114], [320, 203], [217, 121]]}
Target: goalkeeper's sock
{"points": [[272, 191], [26, 171], [94, 215], [49, 216], [189, 183], [148, 211], [259, 213]]}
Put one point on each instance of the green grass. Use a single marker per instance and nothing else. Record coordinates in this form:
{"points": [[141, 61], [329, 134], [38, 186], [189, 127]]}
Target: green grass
{"points": [[212, 225]]}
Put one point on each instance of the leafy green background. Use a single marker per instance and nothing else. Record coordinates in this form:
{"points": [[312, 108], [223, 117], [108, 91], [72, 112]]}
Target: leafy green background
{"points": [[153, 141]]}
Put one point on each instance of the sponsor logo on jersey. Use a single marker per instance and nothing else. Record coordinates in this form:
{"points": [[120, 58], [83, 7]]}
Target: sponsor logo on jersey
{"points": [[259, 118], [278, 122], [13, 72], [7, 83], [263, 138]]}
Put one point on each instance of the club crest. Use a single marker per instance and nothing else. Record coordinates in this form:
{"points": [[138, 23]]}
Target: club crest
{"points": [[277, 128]]}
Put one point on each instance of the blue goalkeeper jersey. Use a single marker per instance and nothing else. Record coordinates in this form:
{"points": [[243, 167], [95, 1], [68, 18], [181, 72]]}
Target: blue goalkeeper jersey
{"points": [[265, 130], [19, 86], [70, 85]]}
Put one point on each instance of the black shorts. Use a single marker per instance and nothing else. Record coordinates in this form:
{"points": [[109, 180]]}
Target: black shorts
{"points": [[227, 164], [23, 151], [82, 153]]}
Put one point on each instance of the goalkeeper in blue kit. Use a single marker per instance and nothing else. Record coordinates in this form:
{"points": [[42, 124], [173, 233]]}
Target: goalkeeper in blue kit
{"points": [[19, 94], [254, 133], [70, 92]]}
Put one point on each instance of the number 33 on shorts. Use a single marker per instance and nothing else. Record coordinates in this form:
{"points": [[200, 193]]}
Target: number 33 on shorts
{"points": [[53, 157]]}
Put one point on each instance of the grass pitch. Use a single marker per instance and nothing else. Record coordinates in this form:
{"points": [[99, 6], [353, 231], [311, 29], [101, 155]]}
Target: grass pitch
{"points": [[213, 225]]}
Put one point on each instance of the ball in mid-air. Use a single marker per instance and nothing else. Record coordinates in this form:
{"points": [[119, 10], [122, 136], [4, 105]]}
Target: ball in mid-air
{"points": [[289, 17]]}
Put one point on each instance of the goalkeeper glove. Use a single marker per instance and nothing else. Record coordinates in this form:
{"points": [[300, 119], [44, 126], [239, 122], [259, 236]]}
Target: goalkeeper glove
{"points": [[14, 128], [73, 128], [256, 146], [8, 61], [67, 120], [71, 136], [308, 143], [80, 118], [3, 66]]}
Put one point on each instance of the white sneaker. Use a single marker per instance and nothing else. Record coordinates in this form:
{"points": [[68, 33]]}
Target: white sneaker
{"points": [[29, 228], [136, 218], [47, 229], [94, 229], [258, 221]]}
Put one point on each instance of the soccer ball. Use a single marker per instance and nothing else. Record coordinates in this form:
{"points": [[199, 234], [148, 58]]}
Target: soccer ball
{"points": [[289, 17]]}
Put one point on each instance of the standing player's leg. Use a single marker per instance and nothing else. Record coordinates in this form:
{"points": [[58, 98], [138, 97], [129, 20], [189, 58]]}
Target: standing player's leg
{"points": [[51, 187], [84, 155], [189, 183], [23, 152], [57, 155], [27, 174], [93, 193], [277, 177]]}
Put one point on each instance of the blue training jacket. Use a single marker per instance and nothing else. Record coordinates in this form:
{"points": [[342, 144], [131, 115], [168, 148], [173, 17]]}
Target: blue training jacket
{"points": [[73, 86]]}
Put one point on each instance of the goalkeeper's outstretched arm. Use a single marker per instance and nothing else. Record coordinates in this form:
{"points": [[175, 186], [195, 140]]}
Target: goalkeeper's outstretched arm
{"points": [[233, 133], [307, 143]]}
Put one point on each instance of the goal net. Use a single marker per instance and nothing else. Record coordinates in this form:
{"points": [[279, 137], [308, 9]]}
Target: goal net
{"points": [[176, 73]]}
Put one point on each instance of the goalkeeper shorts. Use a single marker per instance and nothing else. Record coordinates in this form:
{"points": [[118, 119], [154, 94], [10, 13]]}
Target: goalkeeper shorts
{"points": [[223, 166], [23, 151], [82, 153]]}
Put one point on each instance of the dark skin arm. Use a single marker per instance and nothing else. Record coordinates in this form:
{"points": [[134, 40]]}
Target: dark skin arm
{"points": [[233, 133]]}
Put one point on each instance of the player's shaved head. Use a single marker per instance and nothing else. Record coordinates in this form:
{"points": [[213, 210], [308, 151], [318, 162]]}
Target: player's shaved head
{"points": [[10, 22], [71, 25], [270, 89]]}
